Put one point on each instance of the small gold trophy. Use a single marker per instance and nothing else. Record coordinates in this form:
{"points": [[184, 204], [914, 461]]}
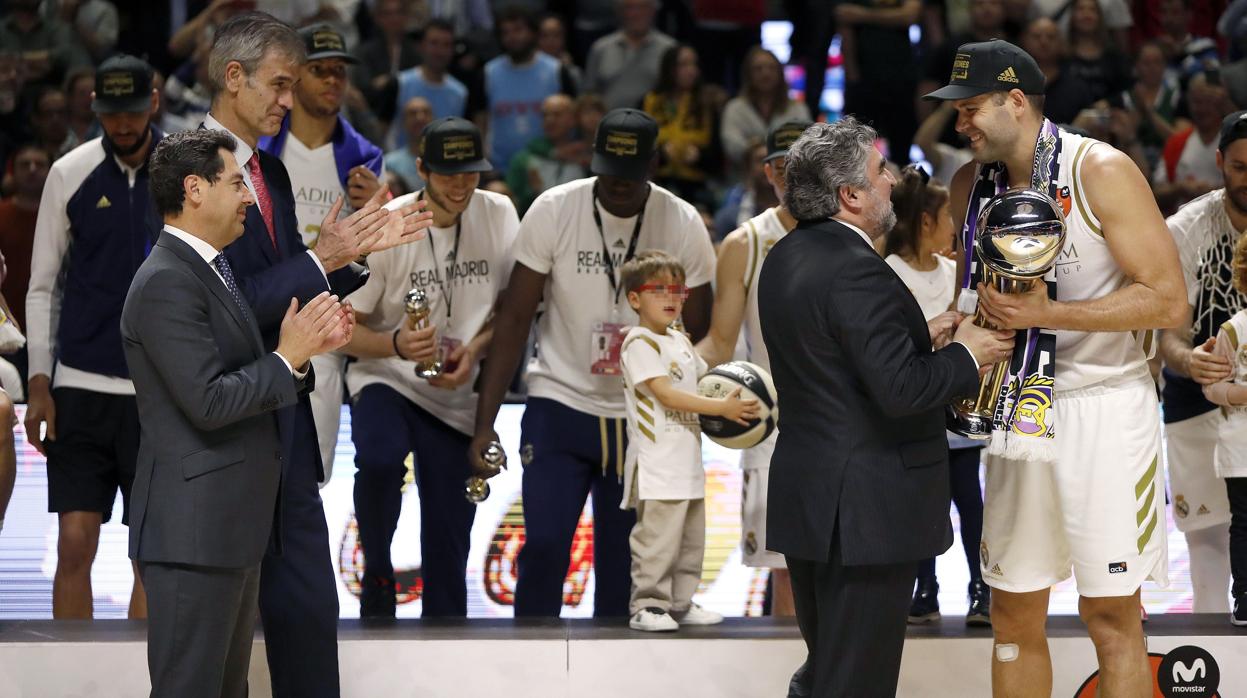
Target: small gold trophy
{"points": [[417, 303], [477, 488]]}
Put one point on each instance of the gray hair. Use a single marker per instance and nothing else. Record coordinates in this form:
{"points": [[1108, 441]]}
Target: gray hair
{"points": [[825, 158], [247, 39]]}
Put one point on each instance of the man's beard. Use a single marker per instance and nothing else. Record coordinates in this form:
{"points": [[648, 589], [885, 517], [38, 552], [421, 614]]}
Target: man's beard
{"points": [[131, 149], [882, 217], [1237, 198]]}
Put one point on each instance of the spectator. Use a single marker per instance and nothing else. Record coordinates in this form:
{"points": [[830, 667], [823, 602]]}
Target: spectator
{"points": [[199, 30], [686, 110], [753, 195], [812, 33], [1115, 16], [589, 112], [623, 66], [724, 32], [298, 13], [473, 20], [400, 163], [1188, 163], [49, 121], [95, 23], [14, 127], [48, 48], [987, 18], [385, 55], [1155, 97], [1094, 58], [430, 79], [17, 226], [1017, 17], [552, 41], [516, 83], [78, 87], [763, 102], [945, 159], [881, 68], [1188, 52], [1064, 96], [592, 20], [555, 158], [188, 94]]}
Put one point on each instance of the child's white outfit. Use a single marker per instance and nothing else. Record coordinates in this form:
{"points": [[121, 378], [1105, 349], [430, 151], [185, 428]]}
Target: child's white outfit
{"points": [[663, 475], [1231, 459]]}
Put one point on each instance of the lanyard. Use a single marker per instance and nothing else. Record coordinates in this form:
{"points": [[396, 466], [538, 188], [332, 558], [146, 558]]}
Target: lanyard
{"points": [[606, 253], [454, 257]]}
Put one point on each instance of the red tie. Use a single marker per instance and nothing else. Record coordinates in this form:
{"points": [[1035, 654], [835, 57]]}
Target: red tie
{"points": [[261, 196]]}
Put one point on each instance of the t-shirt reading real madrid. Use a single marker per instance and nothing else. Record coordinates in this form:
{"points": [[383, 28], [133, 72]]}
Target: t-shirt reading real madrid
{"points": [[560, 238], [465, 277]]}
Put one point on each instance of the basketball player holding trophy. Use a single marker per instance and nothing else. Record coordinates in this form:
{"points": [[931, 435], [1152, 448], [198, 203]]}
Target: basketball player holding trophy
{"points": [[1075, 484]]}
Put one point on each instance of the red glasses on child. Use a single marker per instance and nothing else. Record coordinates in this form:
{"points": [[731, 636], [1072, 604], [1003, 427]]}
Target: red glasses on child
{"points": [[671, 290]]}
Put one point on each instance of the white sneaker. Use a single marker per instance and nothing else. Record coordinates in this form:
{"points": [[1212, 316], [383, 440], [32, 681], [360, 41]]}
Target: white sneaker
{"points": [[696, 615], [653, 620]]}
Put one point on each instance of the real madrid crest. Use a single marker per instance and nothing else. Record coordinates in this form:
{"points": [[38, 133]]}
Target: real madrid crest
{"points": [[675, 372], [1181, 507]]}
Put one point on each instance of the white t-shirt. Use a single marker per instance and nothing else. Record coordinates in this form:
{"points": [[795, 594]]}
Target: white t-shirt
{"points": [[558, 237], [314, 180], [932, 289], [1198, 161], [480, 272], [664, 445]]}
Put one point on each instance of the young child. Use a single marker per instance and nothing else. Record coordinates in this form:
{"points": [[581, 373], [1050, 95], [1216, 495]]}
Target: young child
{"points": [[663, 476], [1231, 458]]}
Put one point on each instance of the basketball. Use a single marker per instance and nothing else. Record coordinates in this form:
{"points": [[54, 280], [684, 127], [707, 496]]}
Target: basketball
{"points": [[755, 384]]}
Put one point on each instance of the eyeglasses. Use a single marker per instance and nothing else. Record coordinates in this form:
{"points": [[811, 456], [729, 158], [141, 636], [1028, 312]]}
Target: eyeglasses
{"points": [[673, 290]]}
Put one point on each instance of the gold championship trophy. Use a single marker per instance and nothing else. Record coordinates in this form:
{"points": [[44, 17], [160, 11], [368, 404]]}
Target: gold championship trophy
{"points": [[476, 489], [1019, 235], [417, 306]]}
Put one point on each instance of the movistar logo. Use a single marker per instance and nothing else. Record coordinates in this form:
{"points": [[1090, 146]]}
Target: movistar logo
{"points": [[1186, 674], [1007, 75]]}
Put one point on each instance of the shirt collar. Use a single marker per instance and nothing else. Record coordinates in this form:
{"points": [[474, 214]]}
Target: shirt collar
{"points": [[857, 230], [200, 246], [242, 151]]}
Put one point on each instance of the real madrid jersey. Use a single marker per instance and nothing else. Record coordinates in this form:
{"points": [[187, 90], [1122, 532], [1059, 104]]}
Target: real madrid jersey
{"points": [[1086, 270], [762, 232], [558, 237], [664, 445], [466, 281]]}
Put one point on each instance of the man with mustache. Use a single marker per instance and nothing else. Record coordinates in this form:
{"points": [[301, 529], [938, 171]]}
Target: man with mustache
{"points": [[327, 159], [95, 227], [252, 67]]}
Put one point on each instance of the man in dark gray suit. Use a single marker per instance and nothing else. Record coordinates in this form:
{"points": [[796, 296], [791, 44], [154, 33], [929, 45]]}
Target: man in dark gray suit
{"points": [[858, 489], [209, 465]]}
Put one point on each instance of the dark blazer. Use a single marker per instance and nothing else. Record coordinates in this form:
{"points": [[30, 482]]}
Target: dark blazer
{"points": [[861, 447], [269, 278], [209, 461]]}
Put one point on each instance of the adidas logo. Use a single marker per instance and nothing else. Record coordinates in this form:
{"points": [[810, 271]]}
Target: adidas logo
{"points": [[619, 243], [103, 202], [996, 570], [1007, 75], [450, 256], [1203, 510]]}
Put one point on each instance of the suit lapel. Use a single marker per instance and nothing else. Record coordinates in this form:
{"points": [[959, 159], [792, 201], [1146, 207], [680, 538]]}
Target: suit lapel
{"points": [[210, 279], [255, 230]]}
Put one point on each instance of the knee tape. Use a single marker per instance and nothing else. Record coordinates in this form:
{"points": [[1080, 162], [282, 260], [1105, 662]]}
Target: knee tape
{"points": [[1006, 652]]}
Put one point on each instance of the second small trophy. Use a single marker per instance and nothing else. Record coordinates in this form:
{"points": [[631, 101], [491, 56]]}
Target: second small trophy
{"points": [[417, 306]]}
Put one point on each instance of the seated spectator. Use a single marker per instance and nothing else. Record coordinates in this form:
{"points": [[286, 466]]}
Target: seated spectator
{"points": [[384, 56], [752, 196], [400, 164], [95, 23], [1115, 13], [1064, 96], [79, 85], [552, 40], [431, 79], [47, 46], [1188, 52], [1110, 122], [1156, 97], [49, 122], [763, 102], [187, 94], [1188, 163], [1093, 55], [17, 236], [199, 30], [945, 159], [623, 66], [686, 110], [555, 158]]}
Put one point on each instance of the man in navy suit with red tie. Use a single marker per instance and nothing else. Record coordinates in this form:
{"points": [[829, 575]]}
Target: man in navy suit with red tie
{"points": [[252, 68]]}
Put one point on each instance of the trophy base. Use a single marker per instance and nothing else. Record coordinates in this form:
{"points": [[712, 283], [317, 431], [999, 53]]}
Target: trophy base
{"points": [[969, 425], [476, 490]]}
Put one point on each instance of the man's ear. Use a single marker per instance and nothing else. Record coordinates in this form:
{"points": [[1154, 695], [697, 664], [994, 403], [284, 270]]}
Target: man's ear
{"points": [[192, 188]]}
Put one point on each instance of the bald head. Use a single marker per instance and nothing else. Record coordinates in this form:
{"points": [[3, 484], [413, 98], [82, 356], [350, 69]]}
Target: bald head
{"points": [[558, 117]]}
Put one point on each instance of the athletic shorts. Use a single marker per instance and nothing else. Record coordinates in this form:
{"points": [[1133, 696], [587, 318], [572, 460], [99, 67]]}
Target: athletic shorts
{"points": [[1199, 498], [1096, 511], [756, 463], [95, 451]]}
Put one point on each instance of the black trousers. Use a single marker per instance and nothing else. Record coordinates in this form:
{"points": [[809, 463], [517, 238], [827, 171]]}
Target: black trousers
{"points": [[853, 621], [1236, 487], [967, 490]]}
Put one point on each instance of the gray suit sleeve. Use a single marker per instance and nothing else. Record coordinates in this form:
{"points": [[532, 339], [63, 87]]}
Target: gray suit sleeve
{"points": [[177, 336]]}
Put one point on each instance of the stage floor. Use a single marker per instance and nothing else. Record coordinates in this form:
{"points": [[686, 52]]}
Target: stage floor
{"points": [[747, 657]]}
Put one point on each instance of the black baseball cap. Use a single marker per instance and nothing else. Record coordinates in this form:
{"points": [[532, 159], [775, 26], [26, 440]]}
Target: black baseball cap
{"points": [[781, 137], [990, 66], [624, 144], [452, 145], [122, 84], [323, 41], [1233, 128]]}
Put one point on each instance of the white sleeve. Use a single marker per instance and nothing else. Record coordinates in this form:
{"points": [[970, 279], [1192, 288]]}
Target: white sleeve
{"points": [[537, 234], [367, 297], [43, 296], [508, 227], [1188, 252], [641, 360], [697, 252]]}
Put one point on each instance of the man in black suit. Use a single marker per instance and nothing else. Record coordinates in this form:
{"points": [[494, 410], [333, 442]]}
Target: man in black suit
{"points": [[209, 463], [858, 490]]}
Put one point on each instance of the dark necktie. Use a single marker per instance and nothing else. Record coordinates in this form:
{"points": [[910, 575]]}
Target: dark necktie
{"points": [[227, 274]]}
